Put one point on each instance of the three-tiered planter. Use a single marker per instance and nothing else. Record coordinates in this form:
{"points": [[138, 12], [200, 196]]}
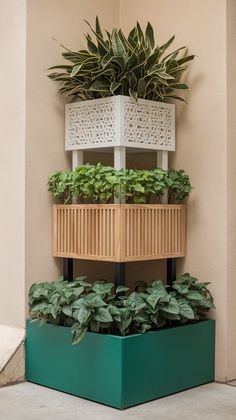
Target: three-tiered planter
{"points": [[119, 232], [120, 371]]}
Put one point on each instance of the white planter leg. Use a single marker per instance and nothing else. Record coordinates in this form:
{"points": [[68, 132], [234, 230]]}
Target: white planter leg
{"points": [[162, 162], [77, 158], [119, 163]]}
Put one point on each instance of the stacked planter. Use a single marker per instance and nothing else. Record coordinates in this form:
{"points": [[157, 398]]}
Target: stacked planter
{"points": [[120, 371]]}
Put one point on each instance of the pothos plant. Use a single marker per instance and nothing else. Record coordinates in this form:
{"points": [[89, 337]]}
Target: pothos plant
{"points": [[99, 308], [99, 184], [115, 64]]}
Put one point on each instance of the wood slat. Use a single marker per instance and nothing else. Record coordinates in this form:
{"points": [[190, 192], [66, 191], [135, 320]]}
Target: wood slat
{"points": [[113, 232]]}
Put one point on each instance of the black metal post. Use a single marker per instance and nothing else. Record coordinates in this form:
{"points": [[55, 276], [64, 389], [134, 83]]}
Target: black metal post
{"points": [[171, 271], [68, 269], [119, 279]]}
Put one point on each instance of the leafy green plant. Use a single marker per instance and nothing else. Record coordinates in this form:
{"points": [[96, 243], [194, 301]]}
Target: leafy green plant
{"points": [[178, 184], [114, 64], [187, 290], [99, 184], [99, 308]]}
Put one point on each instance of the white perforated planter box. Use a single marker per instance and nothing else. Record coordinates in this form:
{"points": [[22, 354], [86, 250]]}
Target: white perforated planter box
{"points": [[119, 232], [120, 121]]}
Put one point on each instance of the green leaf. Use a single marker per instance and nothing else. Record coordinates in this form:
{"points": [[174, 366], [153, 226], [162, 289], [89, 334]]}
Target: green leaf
{"points": [[194, 295], [102, 288], [98, 301], [144, 327], [76, 69], [79, 335], [117, 45], [153, 299], [103, 315], [83, 315], [185, 59], [150, 35], [181, 288], [98, 28], [141, 88], [179, 86], [186, 310], [165, 76], [172, 307], [100, 86], [114, 87], [121, 289], [67, 310]]}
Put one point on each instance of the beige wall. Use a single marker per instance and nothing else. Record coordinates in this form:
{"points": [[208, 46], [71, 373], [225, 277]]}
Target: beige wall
{"points": [[45, 132], [12, 161], [201, 135], [231, 190], [203, 127], [63, 20]]}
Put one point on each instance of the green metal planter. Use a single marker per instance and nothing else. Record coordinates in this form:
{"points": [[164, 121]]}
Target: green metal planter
{"points": [[121, 371]]}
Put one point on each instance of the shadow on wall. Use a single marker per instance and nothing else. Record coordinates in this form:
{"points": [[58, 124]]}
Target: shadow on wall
{"points": [[142, 270]]}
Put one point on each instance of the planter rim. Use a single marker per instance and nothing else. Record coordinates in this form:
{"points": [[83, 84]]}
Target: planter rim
{"points": [[113, 97], [126, 337], [111, 205]]}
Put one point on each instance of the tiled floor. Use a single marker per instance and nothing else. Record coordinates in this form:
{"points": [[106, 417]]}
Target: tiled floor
{"points": [[31, 402]]}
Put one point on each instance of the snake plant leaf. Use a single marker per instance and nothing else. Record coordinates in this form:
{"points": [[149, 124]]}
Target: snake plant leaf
{"points": [[141, 88], [140, 34], [150, 34], [131, 62], [76, 69], [114, 87], [185, 59], [125, 43], [98, 28], [102, 45], [167, 44], [179, 86], [179, 98], [90, 44], [117, 44], [164, 75], [100, 86], [133, 38], [174, 54]]}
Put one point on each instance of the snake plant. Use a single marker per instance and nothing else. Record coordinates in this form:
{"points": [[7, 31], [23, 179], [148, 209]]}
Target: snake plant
{"points": [[115, 64]]}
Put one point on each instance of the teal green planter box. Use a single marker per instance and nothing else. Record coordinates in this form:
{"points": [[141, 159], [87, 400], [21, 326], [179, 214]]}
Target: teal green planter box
{"points": [[121, 371]]}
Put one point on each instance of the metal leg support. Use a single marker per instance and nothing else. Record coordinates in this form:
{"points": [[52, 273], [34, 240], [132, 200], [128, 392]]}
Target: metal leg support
{"points": [[68, 269], [171, 271], [119, 274]]}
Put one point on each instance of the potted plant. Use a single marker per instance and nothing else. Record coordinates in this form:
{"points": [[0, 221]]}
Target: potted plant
{"points": [[138, 230], [132, 348], [122, 85]]}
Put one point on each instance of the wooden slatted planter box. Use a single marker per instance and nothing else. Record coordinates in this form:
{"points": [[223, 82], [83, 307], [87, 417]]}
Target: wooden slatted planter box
{"points": [[119, 232]]}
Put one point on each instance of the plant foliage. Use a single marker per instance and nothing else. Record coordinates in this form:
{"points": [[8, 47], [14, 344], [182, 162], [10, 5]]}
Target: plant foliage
{"points": [[99, 184], [114, 64], [99, 308]]}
